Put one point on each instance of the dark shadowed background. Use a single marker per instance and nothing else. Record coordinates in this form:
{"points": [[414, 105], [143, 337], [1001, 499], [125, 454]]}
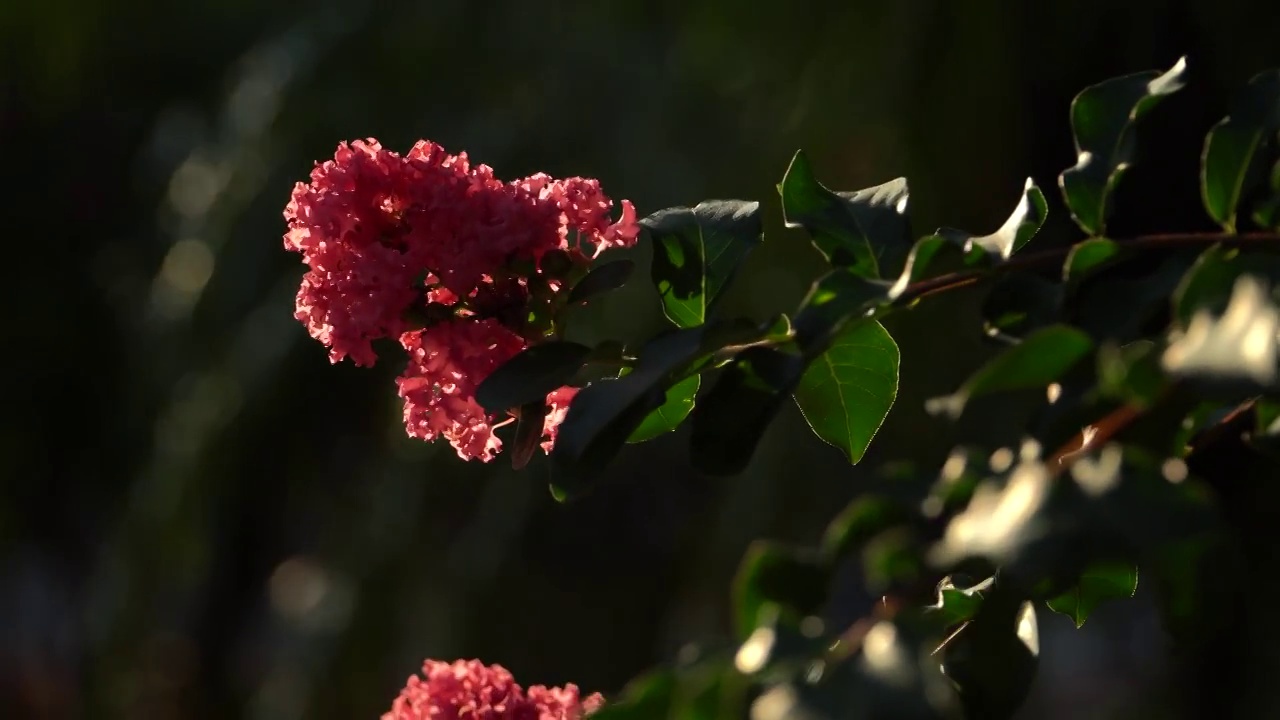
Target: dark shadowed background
{"points": [[202, 518]]}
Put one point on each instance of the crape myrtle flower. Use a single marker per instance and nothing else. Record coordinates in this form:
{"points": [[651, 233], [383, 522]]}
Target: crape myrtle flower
{"points": [[391, 239], [471, 690]]}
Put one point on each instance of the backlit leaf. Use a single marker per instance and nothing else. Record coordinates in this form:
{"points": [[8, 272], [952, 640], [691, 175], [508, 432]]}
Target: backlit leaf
{"points": [[847, 391], [1102, 119]]}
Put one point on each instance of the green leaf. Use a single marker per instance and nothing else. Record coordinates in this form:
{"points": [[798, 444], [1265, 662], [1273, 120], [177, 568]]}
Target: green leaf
{"points": [[1140, 284], [993, 659], [678, 405], [1017, 231], [1235, 352], [603, 415], [892, 676], [701, 688], [531, 375], [1019, 304], [709, 690], [956, 482], [926, 256], [529, 425], [956, 605], [1102, 119], [847, 391], [794, 579], [601, 279], [833, 300], [1267, 212], [1209, 282], [862, 519], [780, 646], [1100, 581], [605, 362], [1266, 432], [648, 697], [865, 231], [697, 252], [1130, 373], [1087, 256], [1040, 359], [729, 421], [1232, 157], [893, 558]]}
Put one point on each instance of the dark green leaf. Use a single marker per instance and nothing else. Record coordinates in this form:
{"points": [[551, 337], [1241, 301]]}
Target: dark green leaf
{"points": [[1136, 499], [1209, 282], [1019, 304], [729, 421], [893, 558], [1266, 214], [779, 329], [781, 645], [956, 482], [1140, 284], [601, 279], [956, 605], [1232, 159], [892, 676], [1130, 373], [792, 578], [604, 414], [1235, 352], [697, 252], [1017, 231], [531, 375], [676, 407], [1102, 119], [1265, 436], [605, 362], [928, 255], [865, 231], [1100, 581], [1004, 524], [1192, 582], [1040, 359], [709, 690], [1088, 256], [699, 689], [556, 263], [835, 299], [994, 658], [648, 697], [861, 520], [846, 392], [529, 426]]}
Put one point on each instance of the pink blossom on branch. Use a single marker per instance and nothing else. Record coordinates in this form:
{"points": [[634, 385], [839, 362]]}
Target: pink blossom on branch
{"points": [[386, 235], [557, 407], [372, 222], [471, 690], [447, 362]]}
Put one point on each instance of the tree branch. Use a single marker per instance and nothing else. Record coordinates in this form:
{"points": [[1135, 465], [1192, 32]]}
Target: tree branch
{"points": [[953, 281]]}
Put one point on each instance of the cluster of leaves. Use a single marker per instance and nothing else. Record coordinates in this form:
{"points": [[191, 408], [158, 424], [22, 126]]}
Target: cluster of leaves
{"points": [[1115, 470]]}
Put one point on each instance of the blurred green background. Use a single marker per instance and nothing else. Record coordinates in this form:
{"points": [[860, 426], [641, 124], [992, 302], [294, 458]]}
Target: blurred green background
{"points": [[201, 518]]}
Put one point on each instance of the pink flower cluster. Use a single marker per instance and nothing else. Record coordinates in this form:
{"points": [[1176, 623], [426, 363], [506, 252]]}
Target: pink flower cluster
{"points": [[470, 690], [385, 234]]}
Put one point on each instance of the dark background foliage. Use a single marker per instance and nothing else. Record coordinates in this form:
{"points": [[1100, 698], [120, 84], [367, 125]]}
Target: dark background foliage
{"points": [[202, 518]]}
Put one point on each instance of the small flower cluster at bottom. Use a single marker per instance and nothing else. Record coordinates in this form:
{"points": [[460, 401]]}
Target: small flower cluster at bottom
{"points": [[471, 690]]}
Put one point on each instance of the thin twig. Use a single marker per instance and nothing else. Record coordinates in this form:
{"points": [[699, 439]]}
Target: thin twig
{"points": [[1044, 258], [1093, 435]]}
